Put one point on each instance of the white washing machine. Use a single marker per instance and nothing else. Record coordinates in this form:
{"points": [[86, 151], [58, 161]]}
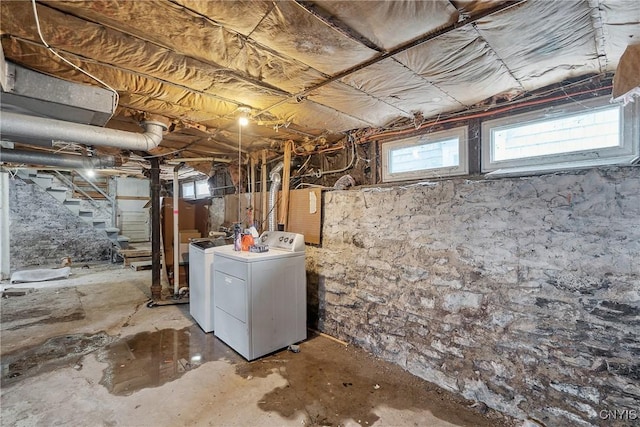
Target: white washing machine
{"points": [[201, 283], [260, 301]]}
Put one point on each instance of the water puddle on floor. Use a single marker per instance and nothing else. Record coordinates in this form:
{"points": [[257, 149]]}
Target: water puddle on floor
{"points": [[54, 353], [150, 359]]}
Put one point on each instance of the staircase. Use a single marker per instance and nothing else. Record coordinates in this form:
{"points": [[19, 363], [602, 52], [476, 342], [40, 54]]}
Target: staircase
{"points": [[96, 188], [87, 208]]}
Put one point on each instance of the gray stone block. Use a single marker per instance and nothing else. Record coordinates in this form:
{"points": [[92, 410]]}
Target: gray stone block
{"points": [[522, 293]]}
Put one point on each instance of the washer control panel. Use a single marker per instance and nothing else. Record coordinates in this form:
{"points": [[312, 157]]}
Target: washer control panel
{"points": [[292, 242]]}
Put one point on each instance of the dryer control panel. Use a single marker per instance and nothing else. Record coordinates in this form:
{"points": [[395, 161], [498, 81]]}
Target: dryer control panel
{"points": [[283, 240]]}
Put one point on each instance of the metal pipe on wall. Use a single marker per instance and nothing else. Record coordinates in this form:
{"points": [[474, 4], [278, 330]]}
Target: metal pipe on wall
{"points": [[59, 160]]}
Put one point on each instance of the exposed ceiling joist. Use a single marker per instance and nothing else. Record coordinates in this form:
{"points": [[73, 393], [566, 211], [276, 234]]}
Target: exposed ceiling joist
{"points": [[320, 69]]}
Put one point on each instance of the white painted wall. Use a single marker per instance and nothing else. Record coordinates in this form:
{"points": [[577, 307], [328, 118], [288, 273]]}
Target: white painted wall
{"points": [[134, 221]]}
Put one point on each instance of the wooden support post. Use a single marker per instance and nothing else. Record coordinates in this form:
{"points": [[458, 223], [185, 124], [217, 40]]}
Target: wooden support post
{"points": [[286, 175]]}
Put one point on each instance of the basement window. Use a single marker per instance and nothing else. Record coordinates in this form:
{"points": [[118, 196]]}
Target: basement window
{"points": [[580, 134], [202, 189], [188, 190], [426, 156], [196, 189]]}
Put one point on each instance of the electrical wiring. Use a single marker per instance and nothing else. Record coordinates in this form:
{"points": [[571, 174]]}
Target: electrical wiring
{"points": [[326, 150], [353, 158], [53, 51], [388, 134], [65, 145], [301, 168], [306, 184], [321, 173], [308, 153], [537, 101], [466, 113], [358, 159], [180, 150], [569, 96]]}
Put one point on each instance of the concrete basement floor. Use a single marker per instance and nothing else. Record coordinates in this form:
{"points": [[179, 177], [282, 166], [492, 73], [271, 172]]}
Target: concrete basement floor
{"points": [[88, 351]]}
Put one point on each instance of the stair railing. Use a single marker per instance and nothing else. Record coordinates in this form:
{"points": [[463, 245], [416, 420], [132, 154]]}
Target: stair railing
{"points": [[90, 199]]}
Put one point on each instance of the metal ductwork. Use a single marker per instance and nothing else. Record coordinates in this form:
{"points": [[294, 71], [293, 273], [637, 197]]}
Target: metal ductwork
{"points": [[273, 193], [15, 126], [59, 160]]}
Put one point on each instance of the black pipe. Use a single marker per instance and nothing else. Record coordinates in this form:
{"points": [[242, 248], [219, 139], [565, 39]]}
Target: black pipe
{"points": [[156, 286]]}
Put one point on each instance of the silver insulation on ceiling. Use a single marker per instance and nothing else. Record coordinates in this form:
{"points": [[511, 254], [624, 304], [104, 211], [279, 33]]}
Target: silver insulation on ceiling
{"points": [[316, 68]]}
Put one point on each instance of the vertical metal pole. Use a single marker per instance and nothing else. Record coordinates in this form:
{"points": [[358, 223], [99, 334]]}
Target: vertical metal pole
{"points": [[176, 231], [112, 191], [263, 189], [5, 268], [253, 189], [240, 186], [156, 286]]}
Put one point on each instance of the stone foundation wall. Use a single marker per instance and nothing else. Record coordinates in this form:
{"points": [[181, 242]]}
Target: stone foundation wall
{"points": [[216, 213], [42, 231], [522, 293]]}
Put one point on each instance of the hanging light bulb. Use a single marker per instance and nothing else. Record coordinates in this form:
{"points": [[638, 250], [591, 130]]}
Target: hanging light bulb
{"points": [[243, 119], [90, 173]]}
